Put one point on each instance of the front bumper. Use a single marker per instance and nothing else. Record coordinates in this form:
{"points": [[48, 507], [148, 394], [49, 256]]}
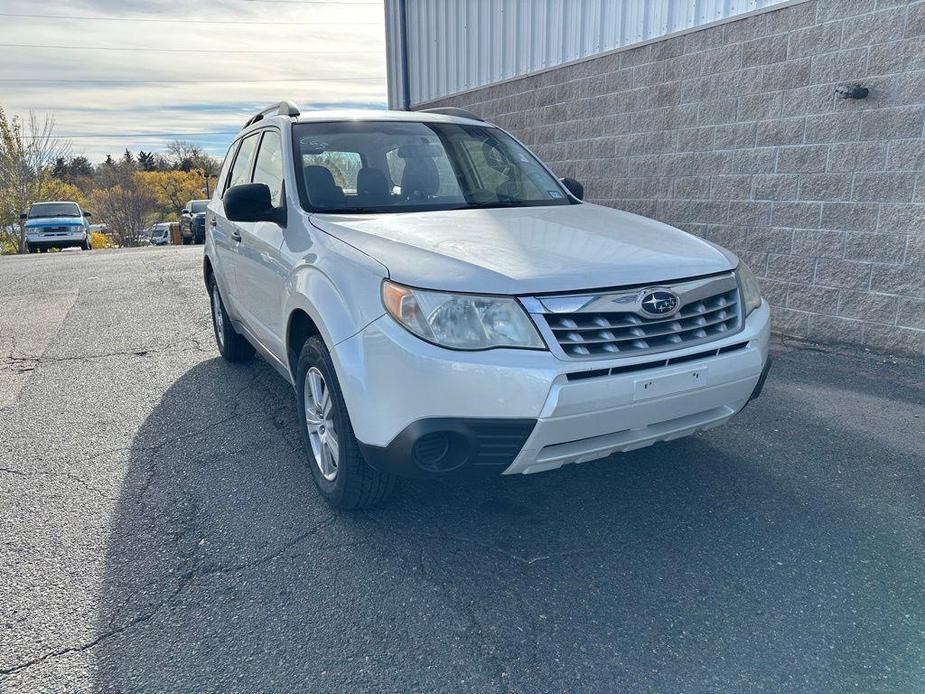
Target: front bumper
{"points": [[58, 239], [394, 383]]}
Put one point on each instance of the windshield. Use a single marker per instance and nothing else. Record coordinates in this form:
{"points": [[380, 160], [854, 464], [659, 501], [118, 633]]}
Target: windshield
{"points": [[199, 206], [54, 209], [377, 166]]}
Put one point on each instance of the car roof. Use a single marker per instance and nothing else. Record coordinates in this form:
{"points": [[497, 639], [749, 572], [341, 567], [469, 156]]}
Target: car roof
{"points": [[56, 202]]}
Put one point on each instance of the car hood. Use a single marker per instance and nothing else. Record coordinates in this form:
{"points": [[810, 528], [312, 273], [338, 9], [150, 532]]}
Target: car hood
{"points": [[54, 222], [527, 250]]}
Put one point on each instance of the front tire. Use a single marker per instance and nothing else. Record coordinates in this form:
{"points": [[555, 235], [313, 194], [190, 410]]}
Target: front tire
{"points": [[344, 478], [233, 346]]}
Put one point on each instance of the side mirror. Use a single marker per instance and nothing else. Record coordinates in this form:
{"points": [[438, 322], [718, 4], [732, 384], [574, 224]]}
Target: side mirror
{"points": [[23, 217], [574, 187], [88, 214], [251, 202]]}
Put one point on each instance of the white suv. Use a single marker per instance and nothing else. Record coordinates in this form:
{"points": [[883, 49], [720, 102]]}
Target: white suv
{"points": [[442, 303]]}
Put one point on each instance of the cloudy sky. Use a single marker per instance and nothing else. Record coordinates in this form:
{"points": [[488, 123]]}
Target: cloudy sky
{"points": [[140, 73]]}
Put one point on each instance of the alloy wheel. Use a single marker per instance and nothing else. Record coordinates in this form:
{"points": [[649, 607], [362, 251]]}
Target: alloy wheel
{"points": [[319, 419]]}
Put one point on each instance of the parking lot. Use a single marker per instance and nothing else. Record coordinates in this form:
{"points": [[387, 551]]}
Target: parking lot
{"points": [[160, 529]]}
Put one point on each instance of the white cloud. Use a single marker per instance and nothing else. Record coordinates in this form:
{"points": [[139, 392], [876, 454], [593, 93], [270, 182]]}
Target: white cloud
{"points": [[144, 98]]}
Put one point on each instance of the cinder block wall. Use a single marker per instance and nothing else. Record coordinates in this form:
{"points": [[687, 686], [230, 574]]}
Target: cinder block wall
{"points": [[734, 133]]}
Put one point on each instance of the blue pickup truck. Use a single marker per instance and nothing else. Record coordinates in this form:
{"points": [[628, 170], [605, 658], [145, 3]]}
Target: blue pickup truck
{"points": [[59, 224]]}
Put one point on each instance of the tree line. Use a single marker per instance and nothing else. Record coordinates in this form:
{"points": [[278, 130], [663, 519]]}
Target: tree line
{"points": [[127, 193]]}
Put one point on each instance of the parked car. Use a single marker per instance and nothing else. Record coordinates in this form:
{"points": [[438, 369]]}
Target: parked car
{"points": [[160, 234], [56, 224], [464, 309], [193, 222]]}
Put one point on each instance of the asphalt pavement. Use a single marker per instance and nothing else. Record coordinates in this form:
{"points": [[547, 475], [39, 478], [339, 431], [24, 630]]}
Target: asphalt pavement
{"points": [[159, 529]]}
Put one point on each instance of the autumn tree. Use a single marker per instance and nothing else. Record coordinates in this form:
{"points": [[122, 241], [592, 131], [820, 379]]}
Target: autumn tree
{"points": [[173, 189], [28, 152]]}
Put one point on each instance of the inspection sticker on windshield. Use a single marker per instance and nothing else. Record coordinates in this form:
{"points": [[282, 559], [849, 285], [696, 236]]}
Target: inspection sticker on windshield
{"points": [[554, 193], [659, 386]]}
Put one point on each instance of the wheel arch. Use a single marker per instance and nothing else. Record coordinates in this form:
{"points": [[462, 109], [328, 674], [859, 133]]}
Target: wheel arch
{"points": [[207, 270]]}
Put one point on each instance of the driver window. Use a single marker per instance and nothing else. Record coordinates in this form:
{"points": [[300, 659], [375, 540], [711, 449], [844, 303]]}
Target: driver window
{"points": [[241, 171], [269, 166]]}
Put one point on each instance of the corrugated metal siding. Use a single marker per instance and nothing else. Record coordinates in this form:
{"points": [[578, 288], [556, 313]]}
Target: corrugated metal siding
{"points": [[455, 45]]}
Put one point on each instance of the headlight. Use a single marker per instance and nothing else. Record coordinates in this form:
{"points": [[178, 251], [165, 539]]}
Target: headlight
{"points": [[751, 292], [461, 321]]}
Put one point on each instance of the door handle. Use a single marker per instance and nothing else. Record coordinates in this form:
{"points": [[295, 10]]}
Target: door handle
{"points": [[236, 235]]}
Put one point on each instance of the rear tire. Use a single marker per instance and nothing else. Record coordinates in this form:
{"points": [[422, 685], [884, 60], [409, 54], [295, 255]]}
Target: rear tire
{"points": [[350, 483], [233, 346]]}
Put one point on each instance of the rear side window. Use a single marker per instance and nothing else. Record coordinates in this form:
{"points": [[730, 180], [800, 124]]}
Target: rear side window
{"points": [[241, 171], [269, 168], [223, 174]]}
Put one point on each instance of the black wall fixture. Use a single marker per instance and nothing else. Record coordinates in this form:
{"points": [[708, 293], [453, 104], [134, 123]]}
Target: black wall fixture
{"points": [[851, 91]]}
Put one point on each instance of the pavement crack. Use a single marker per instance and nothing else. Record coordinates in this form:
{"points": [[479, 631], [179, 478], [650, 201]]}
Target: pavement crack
{"points": [[185, 580]]}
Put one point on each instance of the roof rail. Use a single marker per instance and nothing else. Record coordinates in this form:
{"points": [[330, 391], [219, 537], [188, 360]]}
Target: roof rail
{"points": [[283, 108], [453, 111]]}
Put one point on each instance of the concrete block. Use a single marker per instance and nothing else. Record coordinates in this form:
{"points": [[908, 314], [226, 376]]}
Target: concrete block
{"points": [[844, 274], [819, 243], [832, 127], [876, 248], [883, 187], [906, 155], [868, 306], [800, 215], [787, 131], [775, 186], [802, 159], [915, 22], [805, 297], [860, 156], [749, 213], [892, 123], [790, 268], [770, 240], [911, 313], [849, 216], [915, 250], [790, 322], [825, 186], [736, 135], [813, 40], [839, 66], [894, 339], [902, 219], [761, 51], [754, 107], [759, 160], [907, 280], [870, 29], [897, 56], [733, 187]]}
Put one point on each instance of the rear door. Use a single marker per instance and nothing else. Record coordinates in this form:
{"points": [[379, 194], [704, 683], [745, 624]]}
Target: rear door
{"points": [[261, 274], [226, 234]]}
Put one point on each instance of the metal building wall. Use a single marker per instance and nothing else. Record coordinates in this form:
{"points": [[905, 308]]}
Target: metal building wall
{"points": [[455, 45]]}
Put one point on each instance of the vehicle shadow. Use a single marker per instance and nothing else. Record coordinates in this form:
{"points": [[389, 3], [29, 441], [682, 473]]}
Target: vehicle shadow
{"points": [[729, 561]]}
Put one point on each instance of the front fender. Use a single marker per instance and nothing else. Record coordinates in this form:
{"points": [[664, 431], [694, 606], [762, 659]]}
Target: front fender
{"points": [[335, 284]]}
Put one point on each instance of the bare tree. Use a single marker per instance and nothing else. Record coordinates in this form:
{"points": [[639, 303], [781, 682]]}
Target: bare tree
{"points": [[28, 152], [124, 201]]}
